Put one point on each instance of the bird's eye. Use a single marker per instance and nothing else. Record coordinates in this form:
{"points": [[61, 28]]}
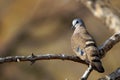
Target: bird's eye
{"points": [[80, 22], [77, 22]]}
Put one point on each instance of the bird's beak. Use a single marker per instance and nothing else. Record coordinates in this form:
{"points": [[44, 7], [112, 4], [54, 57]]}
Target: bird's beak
{"points": [[72, 28]]}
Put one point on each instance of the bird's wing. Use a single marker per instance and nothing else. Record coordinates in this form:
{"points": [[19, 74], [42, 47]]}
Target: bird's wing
{"points": [[79, 39]]}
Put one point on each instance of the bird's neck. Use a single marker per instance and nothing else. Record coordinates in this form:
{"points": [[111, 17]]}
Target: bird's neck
{"points": [[79, 28]]}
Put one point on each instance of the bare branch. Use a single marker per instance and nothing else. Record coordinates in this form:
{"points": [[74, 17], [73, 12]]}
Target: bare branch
{"points": [[113, 76], [32, 58], [87, 73], [103, 12], [109, 43]]}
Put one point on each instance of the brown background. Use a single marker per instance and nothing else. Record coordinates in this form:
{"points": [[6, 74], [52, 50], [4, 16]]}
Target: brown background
{"points": [[44, 26]]}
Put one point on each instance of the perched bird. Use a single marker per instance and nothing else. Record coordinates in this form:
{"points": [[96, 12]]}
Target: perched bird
{"points": [[85, 46]]}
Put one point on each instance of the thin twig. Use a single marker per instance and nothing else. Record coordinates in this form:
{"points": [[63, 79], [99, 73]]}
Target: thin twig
{"points": [[34, 58], [109, 43], [87, 73]]}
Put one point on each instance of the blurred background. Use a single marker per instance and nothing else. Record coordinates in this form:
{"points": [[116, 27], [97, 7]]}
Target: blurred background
{"points": [[42, 27]]}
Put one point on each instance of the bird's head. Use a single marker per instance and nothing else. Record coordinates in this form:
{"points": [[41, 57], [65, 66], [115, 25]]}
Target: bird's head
{"points": [[76, 22]]}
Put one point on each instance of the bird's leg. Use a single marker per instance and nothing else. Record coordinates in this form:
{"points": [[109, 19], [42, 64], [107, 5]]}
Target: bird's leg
{"points": [[87, 73]]}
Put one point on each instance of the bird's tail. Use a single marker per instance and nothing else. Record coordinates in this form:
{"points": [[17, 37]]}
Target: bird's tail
{"points": [[97, 65], [94, 59]]}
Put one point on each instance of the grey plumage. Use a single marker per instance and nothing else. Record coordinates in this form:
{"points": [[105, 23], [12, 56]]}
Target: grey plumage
{"points": [[84, 45]]}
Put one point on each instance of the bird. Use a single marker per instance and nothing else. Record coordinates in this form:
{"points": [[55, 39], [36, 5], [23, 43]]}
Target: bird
{"points": [[84, 45]]}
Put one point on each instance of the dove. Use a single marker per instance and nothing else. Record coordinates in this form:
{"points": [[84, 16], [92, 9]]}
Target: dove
{"points": [[84, 45]]}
